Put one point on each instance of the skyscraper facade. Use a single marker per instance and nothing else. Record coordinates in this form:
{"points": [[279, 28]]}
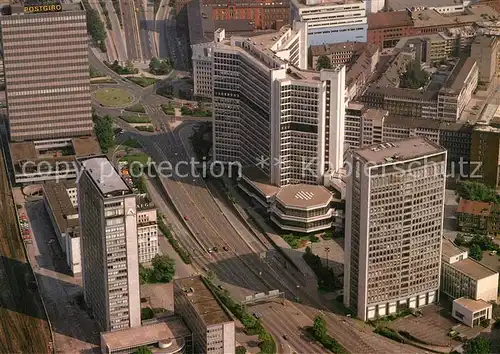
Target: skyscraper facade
{"points": [[110, 257], [394, 222], [45, 53]]}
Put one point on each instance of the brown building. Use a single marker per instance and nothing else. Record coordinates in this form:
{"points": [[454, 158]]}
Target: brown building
{"points": [[478, 217], [385, 29], [485, 155], [485, 50], [264, 14], [45, 49]]}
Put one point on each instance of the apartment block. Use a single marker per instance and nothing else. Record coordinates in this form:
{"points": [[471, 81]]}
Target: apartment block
{"points": [[462, 276], [478, 217], [47, 83], [394, 221], [147, 230], [332, 21], [213, 330], [485, 50], [485, 151], [110, 256], [445, 98]]}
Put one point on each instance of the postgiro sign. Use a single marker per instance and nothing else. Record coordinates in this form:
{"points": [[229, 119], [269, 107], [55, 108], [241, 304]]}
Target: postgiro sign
{"points": [[43, 8]]}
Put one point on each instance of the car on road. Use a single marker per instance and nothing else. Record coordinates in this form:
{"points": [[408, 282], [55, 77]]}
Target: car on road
{"points": [[225, 248], [285, 337], [209, 250], [257, 315], [186, 217], [215, 249]]}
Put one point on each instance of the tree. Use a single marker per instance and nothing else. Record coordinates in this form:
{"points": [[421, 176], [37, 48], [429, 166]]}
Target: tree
{"points": [[323, 63], [145, 274], [478, 345], [319, 328], [241, 349], [160, 67], [95, 26], [414, 77], [163, 268], [129, 66], [460, 240], [477, 191], [103, 129], [476, 252], [143, 350]]}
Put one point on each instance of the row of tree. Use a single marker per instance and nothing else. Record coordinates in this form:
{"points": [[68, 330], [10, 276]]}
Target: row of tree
{"points": [[95, 26]]}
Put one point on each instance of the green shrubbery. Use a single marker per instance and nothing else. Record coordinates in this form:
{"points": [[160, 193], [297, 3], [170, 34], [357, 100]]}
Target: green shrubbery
{"points": [[95, 27], [162, 271], [319, 332], [103, 129], [185, 256], [326, 278]]}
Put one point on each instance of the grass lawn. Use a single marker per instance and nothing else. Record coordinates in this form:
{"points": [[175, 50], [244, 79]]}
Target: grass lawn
{"points": [[142, 80], [95, 73], [131, 142], [145, 129], [113, 97], [141, 158], [138, 108], [136, 119], [102, 80], [168, 109]]}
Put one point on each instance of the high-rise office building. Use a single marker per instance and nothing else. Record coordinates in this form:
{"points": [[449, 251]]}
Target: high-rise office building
{"points": [[45, 58], [108, 228], [394, 222], [268, 107]]}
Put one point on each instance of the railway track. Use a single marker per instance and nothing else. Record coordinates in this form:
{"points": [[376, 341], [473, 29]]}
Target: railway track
{"points": [[23, 325]]}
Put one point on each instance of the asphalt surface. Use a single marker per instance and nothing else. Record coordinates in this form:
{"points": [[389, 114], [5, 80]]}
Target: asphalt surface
{"points": [[146, 26], [130, 28]]}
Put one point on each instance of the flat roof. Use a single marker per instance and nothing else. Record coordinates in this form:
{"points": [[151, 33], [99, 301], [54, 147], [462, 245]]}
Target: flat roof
{"points": [[86, 146], [259, 180], [105, 176], [25, 150], [404, 150], [412, 123], [65, 214], [459, 73], [203, 301], [325, 49], [473, 269], [471, 304], [303, 196], [171, 329], [449, 249], [381, 20], [398, 5], [474, 207], [315, 3]]}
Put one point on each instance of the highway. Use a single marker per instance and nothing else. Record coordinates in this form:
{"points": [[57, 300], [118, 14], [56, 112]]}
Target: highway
{"points": [[130, 28], [146, 27]]}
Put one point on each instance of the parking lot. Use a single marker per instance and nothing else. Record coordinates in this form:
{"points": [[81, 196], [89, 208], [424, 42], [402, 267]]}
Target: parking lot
{"points": [[74, 331]]}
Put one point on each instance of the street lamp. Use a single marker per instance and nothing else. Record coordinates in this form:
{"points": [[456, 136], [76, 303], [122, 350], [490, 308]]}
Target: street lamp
{"points": [[327, 249]]}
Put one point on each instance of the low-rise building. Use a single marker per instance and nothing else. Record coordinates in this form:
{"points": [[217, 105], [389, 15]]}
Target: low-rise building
{"points": [[61, 204], [471, 312], [462, 276], [167, 336], [385, 29], [486, 50], [147, 230], [213, 329], [478, 217]]}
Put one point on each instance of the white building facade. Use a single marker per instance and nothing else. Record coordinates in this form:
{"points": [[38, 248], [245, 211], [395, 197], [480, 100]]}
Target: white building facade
{"points": [[394, 220], [332, 21]]}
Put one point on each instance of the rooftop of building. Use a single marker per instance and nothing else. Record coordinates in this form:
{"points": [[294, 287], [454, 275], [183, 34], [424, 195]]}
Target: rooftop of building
{"points": [[105, 176], [202, 25], [423, 95], [484, 41], [333, 48], [65, 214], [30, 150], [473, 269], [380, 20], [472, 14], [375, 114], [459, 74], [304, 196], [401, 5], [400, 150], [203, 300], [29, 7], [259, 180], [474, 207], [450, 250], [362, 66], [248, 3], [313, 3], [169, 330], [412, 123], [471, 304]]}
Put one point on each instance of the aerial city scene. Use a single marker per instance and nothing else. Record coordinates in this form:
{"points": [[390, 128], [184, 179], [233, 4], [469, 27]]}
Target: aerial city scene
{"points": [[249, 176]]}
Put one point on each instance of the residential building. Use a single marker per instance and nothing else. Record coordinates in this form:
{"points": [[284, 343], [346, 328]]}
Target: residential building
{"points": [[110, 257], [462, 276], [332, 21], [264, 14], [445, 98], [485, 50], [345, 53], [61, 203], [169, 336], [213, 329], [472, 312], [49, 100], [385, 29], [485, 152], [147, 230], [394, 221], [478, 217]]}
